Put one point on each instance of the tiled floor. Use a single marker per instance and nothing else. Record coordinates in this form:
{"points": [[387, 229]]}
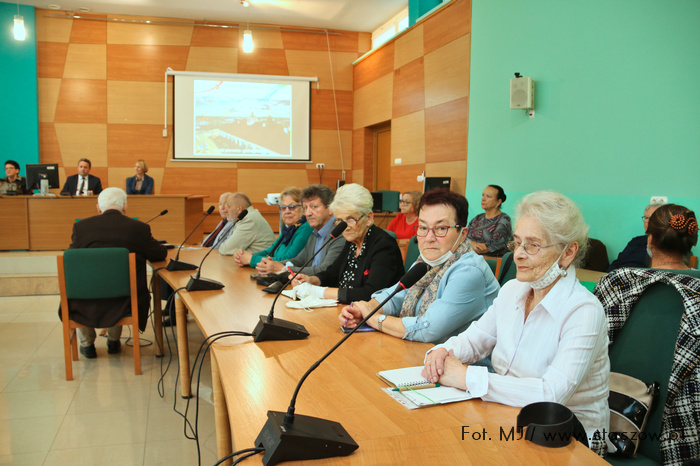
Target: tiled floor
{"points": [[106, 415]]}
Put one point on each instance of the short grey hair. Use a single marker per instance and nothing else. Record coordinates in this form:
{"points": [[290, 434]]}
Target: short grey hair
{"points": [[353, 199], [655, 205], [112, 198], [560, 218]]}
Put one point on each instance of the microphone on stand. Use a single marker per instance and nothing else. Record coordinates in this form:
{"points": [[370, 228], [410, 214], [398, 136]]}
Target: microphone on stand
{"points": [[270, 328], [199, 284], [286, 437], [175, 264], [159, 215]]}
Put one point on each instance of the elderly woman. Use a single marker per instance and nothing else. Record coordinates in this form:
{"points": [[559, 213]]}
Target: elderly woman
{"points": [[140, 183], [672, 232], [491, 231], [293, 237], [405, 223], [370, 261], [546, 333], [456, 291]]}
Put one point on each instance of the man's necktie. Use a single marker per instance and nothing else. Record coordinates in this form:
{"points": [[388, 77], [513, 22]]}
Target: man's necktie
{"points": [[82, 185]]}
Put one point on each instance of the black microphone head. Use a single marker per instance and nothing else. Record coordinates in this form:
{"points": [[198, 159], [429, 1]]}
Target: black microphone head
{"points": [[210, 210], [339, 229], [414, 274], [164, 212], [242, 215]]}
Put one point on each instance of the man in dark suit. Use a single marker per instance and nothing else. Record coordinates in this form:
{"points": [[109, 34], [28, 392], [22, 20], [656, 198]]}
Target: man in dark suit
{"points": [[82, 183], [112, 228]]}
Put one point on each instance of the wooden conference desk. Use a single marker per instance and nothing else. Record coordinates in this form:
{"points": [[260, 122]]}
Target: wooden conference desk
{"points": [[46, 223], [251, 378]]}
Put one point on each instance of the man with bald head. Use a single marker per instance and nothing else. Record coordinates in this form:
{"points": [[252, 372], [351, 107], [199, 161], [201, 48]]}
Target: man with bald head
{"points": [[252, 234]]}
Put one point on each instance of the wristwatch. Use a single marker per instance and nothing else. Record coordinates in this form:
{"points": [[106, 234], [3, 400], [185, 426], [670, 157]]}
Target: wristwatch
{"points": [[380, 319]]}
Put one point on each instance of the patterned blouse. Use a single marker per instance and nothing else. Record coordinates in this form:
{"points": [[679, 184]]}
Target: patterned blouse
{"points": [[494, 232], [351, 269]]}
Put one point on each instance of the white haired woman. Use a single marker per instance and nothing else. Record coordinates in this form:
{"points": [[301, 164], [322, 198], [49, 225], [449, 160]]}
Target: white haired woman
{"points": [[370, 261], [546, 333]]}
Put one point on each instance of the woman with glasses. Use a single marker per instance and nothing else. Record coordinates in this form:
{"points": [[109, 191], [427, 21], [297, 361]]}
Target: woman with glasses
{"points": [[491, 231], [370, 261], [404, 224], [456, 291], [293, 237], [545, 332]]}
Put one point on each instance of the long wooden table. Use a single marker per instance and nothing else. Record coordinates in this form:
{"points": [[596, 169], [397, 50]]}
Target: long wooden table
{"points": [[251, 378], [46, 223]]}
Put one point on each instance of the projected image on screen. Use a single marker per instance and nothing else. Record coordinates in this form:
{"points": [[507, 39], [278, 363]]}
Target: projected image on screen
{"points": [[242, 119]]}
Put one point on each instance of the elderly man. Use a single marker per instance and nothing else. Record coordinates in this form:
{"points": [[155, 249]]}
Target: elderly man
{"points": [[12, 183], [315, 199], [223, 229], [252, 234], [635, 253], [83, 183], [113, 229]]}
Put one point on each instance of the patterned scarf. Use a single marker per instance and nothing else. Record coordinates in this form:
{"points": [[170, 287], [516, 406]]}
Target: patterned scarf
{"points": [[288, 231], [351, 267], [426, 288]]}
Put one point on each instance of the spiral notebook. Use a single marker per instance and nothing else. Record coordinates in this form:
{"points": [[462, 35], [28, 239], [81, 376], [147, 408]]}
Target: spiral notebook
{"points": [[411, 399]]}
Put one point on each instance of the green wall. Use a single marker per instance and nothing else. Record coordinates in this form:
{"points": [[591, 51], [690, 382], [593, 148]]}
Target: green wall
{"points": [[417, 8], [19, 118], [617, 106]]}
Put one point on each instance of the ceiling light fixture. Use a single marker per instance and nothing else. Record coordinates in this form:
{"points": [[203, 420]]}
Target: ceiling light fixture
{"points": [[20, 32], [247, 34]]}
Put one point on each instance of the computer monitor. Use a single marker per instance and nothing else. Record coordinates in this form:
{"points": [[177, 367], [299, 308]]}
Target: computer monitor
{"points": [[42, 171], [433, 182]]}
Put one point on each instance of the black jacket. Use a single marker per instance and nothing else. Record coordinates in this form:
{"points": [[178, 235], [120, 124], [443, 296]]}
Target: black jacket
{"points": [[71, 184]]}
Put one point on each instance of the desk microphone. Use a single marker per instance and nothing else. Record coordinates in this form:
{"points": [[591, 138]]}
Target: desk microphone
{"points": [[175, 264], [199, 284], [286, 437], [159, 215], [270, 328]]}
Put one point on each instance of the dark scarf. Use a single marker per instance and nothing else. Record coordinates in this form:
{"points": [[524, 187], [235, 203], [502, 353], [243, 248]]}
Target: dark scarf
{"points": [[287, 234]]}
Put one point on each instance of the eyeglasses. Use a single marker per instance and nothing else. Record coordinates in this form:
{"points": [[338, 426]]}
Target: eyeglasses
{"points": [[530, 248], [440, 231], [288, 207], [350, 221], [405, 202]]}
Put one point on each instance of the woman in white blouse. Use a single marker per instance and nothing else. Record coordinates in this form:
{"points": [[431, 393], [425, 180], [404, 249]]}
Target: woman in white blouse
{"points": [[546, 332]]}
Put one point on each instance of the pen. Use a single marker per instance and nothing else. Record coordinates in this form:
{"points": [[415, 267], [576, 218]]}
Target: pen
{"points": [[416, 387]]}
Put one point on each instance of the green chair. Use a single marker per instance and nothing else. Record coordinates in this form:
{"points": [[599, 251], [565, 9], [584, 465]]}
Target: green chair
{"points": [[644, 349], [412, 253], [96, 273], [508, 270]]}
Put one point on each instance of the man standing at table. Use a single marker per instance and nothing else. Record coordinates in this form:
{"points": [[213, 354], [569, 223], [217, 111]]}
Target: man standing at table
{"points": [[113, 229], [252, 233], [83, 183]]}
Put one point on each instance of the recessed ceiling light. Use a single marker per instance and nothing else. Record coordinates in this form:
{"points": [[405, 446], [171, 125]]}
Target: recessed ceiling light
{"points": [[53, 7], [84, 9]]}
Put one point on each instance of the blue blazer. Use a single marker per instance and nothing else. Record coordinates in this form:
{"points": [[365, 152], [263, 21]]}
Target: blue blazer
{"points": [[146, 186]]}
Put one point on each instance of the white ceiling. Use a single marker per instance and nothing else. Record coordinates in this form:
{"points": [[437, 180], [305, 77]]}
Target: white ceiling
{"points": [[351, 15]]}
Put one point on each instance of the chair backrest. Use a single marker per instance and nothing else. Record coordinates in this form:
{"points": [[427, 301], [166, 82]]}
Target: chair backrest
{"points": [[412, 253], [596, 257], [95, 273], [508, 270], [493, 263], [644, 349], [692, 273], [391, 233]]}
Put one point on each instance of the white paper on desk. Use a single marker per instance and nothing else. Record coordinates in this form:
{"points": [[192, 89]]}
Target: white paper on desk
{"points": [[312, 302], [289, 294], [425, 397]]}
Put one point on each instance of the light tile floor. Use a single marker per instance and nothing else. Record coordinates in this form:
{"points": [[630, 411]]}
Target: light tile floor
{"points": [[106, 415]]}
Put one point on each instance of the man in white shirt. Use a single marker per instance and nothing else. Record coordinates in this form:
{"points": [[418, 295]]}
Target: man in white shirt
{"points": [[82, 184]]}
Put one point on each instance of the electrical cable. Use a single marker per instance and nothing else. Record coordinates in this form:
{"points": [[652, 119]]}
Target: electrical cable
{"points": [[251, 451]]}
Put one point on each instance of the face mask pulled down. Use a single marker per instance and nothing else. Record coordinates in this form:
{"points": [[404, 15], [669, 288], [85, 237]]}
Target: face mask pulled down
{"points": [[445, 257], [552, 273]]}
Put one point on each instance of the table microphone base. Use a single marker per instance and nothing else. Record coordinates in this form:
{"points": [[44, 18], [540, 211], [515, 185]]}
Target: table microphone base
{"points": [[203, 284], [278, 329], [306, 438], [174, 265]]}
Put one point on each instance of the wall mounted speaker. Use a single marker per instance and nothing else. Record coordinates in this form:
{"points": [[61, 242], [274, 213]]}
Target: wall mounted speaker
{"points": [[522, 93]]}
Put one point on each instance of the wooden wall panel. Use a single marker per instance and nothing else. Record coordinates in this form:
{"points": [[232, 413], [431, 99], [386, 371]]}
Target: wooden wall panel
{"points": [[447, 25], [403, 177], [456, 170], [316, 64], [409, 90], [326, 148], [137, 102], [144, 62], [345, 42], [214, 37], [82, 140], [128, 143], [249, 181], [263, 61], [86, 61], [48, 89], [195, 180], [48, 144], [149, 34], [82, 101], [323, 109], [327, 177], [373, 102], [409, 46], [364, 42], [50, 27], [374, 67], [446, 131], [51, 59], [212, 59], [89, 32], [408, 138], [447, 72]]}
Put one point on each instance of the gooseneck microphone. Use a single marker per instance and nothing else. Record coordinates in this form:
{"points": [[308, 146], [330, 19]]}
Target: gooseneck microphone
{"points": [[286, 437], [159, 215], [199, 284], [270, 328], [175, 264]]}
